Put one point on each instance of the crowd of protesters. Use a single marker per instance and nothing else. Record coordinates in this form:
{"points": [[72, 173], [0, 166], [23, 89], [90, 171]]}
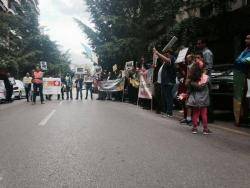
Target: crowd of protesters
{"points": [[193, 76], [194, 84]]}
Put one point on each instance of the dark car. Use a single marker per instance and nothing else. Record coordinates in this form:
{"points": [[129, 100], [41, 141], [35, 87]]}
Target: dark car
{"points": [[222, 87]]}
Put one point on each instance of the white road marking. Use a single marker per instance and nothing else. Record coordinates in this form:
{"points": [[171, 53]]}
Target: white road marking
{"points": [[61, 103], [47, 118]]}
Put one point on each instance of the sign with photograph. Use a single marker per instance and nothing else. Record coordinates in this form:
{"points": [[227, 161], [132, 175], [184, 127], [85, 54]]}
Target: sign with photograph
{"points": [[43, 65], [52, 86]]}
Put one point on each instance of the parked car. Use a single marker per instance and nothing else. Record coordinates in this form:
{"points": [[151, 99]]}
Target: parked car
{"points": [[222, 87], [2, 91], [18, 89]]}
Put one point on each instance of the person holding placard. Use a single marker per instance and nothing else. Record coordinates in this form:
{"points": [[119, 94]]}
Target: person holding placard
{"points": [[168, 80]]}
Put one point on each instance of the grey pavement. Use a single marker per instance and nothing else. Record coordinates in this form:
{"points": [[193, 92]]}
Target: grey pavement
{"points": [[104, 144]]}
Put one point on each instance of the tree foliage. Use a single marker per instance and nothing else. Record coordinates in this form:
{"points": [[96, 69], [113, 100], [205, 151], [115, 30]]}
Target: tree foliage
{"points": [[127, 29], [23, 46]]}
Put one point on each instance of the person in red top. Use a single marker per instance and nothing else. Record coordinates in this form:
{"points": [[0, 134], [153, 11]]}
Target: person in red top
{"points": [[38, 84]]}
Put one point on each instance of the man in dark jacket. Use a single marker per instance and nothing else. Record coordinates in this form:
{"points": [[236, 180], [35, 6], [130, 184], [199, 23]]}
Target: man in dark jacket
{"points": [[79, 84], [157, 86], [168, 80]]}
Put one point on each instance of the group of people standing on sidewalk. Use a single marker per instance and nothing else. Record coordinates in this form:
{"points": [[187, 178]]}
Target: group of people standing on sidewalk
{"points": [[193, 91], [194, 84]]}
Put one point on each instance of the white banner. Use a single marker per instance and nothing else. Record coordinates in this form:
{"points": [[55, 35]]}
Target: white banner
{"points": [[146, 85], [51, 86]]}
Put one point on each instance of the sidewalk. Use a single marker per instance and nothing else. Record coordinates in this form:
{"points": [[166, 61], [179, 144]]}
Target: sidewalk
{"points": [[220, 124]]}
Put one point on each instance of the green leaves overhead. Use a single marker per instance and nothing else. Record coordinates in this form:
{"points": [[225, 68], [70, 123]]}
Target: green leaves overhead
{"points": [[23, 46], [125, 29]]}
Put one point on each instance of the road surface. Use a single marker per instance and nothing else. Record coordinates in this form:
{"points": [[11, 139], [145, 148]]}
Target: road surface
{"points": [[104, 144]]}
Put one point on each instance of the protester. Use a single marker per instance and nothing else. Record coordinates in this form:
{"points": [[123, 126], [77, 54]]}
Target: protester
{"points": [[198, 98], [241, 73], [157, 86], [38, 85], [69, 85], [103, 76], [208, 60], [108, 93], [89, 82], [133, 83], [4, 77], [168, 80], [207, 55], [9, 83], [27, 80], [142, 70], [185, 69], [79, 85]]}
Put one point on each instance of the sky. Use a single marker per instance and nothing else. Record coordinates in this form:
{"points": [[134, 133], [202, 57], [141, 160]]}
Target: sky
{"points": [[57, 18]]}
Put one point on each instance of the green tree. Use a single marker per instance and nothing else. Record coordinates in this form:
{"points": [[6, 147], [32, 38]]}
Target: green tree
{"points": [[23, 46], [126, 29]]}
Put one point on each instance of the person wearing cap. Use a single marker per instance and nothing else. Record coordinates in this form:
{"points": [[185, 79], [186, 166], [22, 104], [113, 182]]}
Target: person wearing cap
{"points": [[168, 80]]}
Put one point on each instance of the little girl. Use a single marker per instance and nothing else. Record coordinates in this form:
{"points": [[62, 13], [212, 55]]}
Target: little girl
{"points": [[198, 98]]}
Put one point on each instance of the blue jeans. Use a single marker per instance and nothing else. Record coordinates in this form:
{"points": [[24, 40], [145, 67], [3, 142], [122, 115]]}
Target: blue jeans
{"points": [[89, 88], [78, 90], [40, 88]]}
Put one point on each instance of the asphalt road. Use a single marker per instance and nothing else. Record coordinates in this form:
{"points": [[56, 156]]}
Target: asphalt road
{"points": [[98, 144]]}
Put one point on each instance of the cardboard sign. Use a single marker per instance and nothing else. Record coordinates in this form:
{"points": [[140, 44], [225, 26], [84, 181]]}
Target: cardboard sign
{"points": [[182, 55], [114, 67], [146, 85], [170, 44]]}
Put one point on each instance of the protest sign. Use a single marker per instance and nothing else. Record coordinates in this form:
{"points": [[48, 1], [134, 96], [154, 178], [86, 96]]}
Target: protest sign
{"points": [[51, 86], [112, 85], [182, 55], [114, 67], [129, 65], [146, 85], [43, 65], [170, 44]]}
